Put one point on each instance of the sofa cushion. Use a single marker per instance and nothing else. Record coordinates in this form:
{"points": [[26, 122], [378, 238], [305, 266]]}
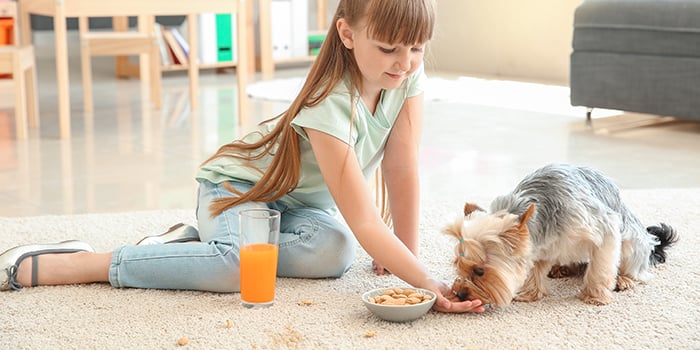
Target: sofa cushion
{"points": [[655, 27]]}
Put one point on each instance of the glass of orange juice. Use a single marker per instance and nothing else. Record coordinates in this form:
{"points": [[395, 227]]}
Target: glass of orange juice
{"points": [[259, 247]]}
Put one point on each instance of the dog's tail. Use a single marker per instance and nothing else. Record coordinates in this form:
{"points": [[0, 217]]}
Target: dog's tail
{"points": [[666, 237]]}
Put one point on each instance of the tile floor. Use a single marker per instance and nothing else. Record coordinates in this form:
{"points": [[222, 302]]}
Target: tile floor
{"points": [[129, 157]]}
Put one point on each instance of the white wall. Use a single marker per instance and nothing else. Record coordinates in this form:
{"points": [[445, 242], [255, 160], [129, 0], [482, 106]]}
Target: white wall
{"points": [[515, 39]]}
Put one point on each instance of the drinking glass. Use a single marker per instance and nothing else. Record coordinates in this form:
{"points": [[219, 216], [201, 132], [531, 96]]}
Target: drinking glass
{"points": [[259, 248]]}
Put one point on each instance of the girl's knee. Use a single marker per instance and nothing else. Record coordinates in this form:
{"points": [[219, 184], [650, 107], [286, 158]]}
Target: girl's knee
{"points": [[341, 253], [326, 254], [223, 276]]}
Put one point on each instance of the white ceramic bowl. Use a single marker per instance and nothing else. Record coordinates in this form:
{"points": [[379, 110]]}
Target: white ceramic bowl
{"points": [[398, 313]]}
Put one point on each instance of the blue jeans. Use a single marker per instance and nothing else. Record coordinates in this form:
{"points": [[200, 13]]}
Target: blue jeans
{"points": [[313, 244]]}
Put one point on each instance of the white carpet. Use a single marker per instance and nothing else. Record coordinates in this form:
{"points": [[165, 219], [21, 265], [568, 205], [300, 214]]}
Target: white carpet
{"points": [[533, 97], [663, 314]]}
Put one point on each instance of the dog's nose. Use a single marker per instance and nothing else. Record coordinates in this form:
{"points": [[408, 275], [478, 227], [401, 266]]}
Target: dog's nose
{"points": [[462, 295]]}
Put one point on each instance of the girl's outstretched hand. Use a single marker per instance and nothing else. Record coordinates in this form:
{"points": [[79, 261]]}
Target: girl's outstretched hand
{"points": [[448, 302]]}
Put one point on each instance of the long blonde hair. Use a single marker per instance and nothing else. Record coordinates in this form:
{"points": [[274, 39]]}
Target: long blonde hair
{"points": [[407, 22]]}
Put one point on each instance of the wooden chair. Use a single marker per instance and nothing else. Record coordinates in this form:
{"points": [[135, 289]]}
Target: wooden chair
{"points": [[18, 62], [142, 42]]}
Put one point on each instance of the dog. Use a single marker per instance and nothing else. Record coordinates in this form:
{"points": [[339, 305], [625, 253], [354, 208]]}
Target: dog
{"points": [[560, 216]]}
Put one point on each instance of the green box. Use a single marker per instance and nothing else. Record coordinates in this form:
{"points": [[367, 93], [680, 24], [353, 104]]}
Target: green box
{"points": [[315, 42]]}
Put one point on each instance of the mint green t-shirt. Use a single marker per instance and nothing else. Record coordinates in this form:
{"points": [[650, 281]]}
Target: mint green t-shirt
{"points": [[367, 134]]}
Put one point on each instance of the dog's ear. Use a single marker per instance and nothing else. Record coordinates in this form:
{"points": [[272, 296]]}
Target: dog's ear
{"points": [[526, 215], [518, 236], [455, 228], [470, 208]]}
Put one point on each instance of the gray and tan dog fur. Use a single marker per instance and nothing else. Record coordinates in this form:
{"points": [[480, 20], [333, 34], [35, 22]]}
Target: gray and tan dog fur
{"points": [[558, 215]]}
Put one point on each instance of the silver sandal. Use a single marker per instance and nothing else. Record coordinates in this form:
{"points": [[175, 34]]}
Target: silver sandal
{"points": [[11, 258], [176, 234]]}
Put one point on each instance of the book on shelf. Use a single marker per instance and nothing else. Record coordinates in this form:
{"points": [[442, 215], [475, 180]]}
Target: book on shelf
{"points": [[179, 55], [215, 33], [299, 28], [208, 52], [316, 39], [217, 36], [281, 21], [224, 37], [165, 59], [289, 28], [184, 45]]}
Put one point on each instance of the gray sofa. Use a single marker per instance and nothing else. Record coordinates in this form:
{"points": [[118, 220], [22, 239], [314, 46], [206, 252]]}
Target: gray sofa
{"points": [[637, 55]]}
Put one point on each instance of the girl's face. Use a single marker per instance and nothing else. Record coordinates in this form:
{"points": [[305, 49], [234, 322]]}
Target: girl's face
{"points": [[383, 65]]}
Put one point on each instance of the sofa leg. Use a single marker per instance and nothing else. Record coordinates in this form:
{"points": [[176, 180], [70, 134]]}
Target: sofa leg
{"points": [[589, 112]]}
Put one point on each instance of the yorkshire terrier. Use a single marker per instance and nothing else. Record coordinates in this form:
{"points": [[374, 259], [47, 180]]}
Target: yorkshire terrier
{"points": [[557, 220]]}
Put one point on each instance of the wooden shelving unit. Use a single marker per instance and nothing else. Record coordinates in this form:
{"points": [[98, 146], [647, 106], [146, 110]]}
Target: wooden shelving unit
{"points": [[267, 63], [179, 67], [126, 69]]}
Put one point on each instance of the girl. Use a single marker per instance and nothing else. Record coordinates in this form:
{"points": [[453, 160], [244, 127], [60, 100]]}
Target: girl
{"points": [[360, 108]]}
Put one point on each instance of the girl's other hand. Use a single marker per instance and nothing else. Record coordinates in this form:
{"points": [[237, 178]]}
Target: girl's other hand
{"points": [[379, 269]]}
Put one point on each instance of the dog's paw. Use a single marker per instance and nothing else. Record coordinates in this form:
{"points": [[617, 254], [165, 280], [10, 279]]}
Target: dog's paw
{"points": [[528, 296], [570, 270], [596, 296], [624, 283]]}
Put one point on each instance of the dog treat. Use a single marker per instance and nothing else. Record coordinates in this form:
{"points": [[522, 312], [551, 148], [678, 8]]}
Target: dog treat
{"points": [[370, 334], [413, 300], [183, 341], [306, 302], [398, 296], [229, 324]]}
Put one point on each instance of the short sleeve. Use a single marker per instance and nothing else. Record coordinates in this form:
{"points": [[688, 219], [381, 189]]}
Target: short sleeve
{"points": [[332, 116], [416, 82]]}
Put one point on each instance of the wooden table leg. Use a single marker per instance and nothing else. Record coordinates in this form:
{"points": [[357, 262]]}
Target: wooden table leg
{"points": [[242, 69], [267, 66], [193, 67], [121, 63], [249, 16], [25, 31], [62, 82], [321, 10], [156, 74]]}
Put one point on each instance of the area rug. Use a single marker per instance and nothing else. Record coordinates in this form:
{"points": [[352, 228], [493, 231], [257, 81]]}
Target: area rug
{"points": [[527, 96], [328, 314]]}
